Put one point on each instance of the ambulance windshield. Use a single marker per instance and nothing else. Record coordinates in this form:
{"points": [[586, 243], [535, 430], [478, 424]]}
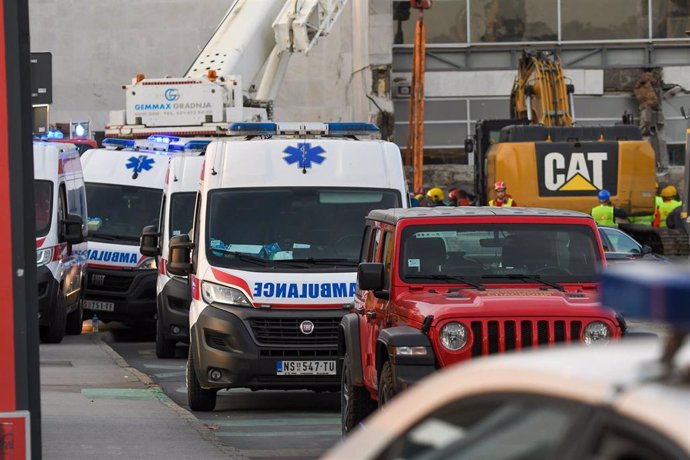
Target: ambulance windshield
{"points": [[181, 213], [43, 193], [119, 212], [290, 228]]}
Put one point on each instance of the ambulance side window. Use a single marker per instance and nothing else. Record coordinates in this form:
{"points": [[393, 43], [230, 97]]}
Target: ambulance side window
{"points": [[195, 230], [61, 210]]}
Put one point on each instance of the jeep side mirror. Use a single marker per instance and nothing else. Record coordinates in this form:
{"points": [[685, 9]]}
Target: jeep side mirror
{"points": [[469, 145], [179, 261], [370, 276], [71, 231], [646, 249], [148, 243]]}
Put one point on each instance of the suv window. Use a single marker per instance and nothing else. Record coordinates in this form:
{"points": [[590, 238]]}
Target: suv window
{"points": [[496, 427], [387, 258], [364, 252]]}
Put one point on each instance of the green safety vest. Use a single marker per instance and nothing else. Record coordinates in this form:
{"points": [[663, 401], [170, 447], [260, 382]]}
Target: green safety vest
{"points": [[647, 220], [665, 209], [603, 215]]}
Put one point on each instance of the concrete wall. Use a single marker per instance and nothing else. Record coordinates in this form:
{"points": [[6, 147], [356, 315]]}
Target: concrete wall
{"points": [[98, 46]]}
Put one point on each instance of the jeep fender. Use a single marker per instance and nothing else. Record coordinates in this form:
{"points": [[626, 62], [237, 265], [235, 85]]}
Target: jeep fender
{"points": [[407, 369], [348, 340]]}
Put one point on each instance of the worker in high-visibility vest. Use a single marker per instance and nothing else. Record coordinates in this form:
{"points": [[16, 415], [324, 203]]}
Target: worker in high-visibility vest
{"points": [[669, 202], [502, 199], [605, 213]]}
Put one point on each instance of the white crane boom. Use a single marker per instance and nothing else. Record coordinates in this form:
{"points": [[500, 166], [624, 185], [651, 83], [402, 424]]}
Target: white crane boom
{"points": [[235, 77]]}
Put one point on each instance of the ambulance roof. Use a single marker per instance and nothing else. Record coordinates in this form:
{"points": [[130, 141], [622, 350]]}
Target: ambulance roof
{"points": [[51, 159], [125, 167], [184, 173], [303, 162]]}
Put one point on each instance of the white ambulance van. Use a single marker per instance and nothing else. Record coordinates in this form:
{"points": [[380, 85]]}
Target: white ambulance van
{"points": [[278, 222], [61, 214], [124, 187], [177, 216]]}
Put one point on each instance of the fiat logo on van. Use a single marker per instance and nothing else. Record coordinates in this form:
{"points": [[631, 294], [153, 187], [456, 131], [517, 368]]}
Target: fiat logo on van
{"points": [[306, 327]]}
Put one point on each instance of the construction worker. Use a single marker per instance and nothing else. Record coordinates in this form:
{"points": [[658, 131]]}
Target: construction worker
{"points": [[605, 213], [502, 199], [669, 202], [459, 197], [435, 197], [648, 219]]}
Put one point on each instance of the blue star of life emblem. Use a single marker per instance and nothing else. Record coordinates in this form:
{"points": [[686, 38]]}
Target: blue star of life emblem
{"points": [[139, 164], [304, 155]]}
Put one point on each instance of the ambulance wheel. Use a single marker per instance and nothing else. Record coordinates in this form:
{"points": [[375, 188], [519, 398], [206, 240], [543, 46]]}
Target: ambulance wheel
{"points": [[199, 399], [386, 385], [165, 348], [75, 319], [55, 332], [355, 402]]}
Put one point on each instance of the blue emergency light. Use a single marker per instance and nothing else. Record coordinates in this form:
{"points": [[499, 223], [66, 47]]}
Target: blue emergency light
{"points": [[54, 134], [163, 139], [119, 143], [352, 129], [649, 292], [253, 129], [197, 145]]}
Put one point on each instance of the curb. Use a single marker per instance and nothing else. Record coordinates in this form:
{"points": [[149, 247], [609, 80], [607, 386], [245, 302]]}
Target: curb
{"points": [[205, 433]]}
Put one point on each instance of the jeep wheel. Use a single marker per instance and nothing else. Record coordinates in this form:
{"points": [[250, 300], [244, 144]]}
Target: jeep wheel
{"points": [[199, 399], [75, 319], [386, 384], [165, 348], [355, 402], [55, 331]]}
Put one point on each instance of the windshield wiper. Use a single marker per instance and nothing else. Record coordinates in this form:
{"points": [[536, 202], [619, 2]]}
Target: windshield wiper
{"points": [[311, 260], [111, 237], [462, 279], [524, 277], [244, 257]]}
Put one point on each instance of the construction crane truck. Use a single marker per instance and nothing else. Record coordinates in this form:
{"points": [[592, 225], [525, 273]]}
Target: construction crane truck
{"points": [[548, 162], [234, 78]]}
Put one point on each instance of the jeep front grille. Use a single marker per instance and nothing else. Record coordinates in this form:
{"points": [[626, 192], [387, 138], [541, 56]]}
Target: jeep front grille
{"points": [[493, 336]]}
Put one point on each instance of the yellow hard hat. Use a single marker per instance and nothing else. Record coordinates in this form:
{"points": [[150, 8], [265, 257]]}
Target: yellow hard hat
{"points": [[668, 192], [418, 197], [435, 194]]}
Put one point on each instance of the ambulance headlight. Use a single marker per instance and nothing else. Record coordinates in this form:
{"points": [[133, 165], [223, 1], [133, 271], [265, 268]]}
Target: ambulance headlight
{"points": [[148, 263], [215, 293], [596, 332], [453, 336], [43, 256]]}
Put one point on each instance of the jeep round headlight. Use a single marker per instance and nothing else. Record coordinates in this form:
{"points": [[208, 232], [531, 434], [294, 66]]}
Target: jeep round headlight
{"points": [[596, 332], [453, 336]]}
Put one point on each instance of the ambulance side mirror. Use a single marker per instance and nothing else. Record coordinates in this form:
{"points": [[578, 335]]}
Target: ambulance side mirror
{"points": [[179, 260], [71, 230], [148, 243]]}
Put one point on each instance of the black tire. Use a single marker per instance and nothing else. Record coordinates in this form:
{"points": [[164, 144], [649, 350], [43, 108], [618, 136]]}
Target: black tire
{"points": [[165, 348], [199, 399], [386, 384], [75, 319], [55, 331], [355, 402]]}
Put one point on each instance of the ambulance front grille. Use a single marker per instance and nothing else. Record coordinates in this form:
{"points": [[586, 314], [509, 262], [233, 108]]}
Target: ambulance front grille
{"points": [[286, 331]]}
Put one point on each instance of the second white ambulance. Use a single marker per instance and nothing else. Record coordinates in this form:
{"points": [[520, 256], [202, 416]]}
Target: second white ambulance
{"points": [[278, 222]]}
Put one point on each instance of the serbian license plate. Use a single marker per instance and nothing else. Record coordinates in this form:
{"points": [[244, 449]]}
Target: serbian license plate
{"points": [[98, 305], [305, 367]]}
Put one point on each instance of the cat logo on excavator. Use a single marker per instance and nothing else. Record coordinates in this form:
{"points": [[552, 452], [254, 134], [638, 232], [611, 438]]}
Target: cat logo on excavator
{"points": [[567, 169]]}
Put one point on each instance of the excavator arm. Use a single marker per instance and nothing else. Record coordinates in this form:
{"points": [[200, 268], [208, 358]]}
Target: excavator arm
{"points": [[540, 93]]}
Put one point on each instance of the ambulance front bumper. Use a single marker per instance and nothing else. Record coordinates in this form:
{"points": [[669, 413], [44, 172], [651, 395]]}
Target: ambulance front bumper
{"points": [[266, 349], [120, 295]]}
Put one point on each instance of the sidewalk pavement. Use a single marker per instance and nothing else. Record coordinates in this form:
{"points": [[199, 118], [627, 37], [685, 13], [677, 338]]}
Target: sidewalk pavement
{"points": [[93, 405]]}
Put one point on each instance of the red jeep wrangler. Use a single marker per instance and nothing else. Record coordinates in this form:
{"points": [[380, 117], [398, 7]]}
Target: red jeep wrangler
{"points": [[440, 285]]}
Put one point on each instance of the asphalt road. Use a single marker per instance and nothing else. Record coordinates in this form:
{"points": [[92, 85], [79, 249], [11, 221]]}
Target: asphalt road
{"points": [[262, 424]]}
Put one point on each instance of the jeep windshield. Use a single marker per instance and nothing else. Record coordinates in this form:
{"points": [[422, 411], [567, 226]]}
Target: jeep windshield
{"points": [[500, 253], [118, 213], [314, 229], [43, 193]]}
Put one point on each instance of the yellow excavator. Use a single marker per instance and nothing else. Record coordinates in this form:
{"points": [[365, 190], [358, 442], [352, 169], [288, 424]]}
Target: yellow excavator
{"points": [[548, 162]]}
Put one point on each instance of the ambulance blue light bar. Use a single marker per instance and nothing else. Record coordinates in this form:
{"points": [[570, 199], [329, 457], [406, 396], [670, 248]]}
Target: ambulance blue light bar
{"points": [[352, 129], [253, 129], [163, 139], [197, 145], [649, 291], [119, 143]]}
